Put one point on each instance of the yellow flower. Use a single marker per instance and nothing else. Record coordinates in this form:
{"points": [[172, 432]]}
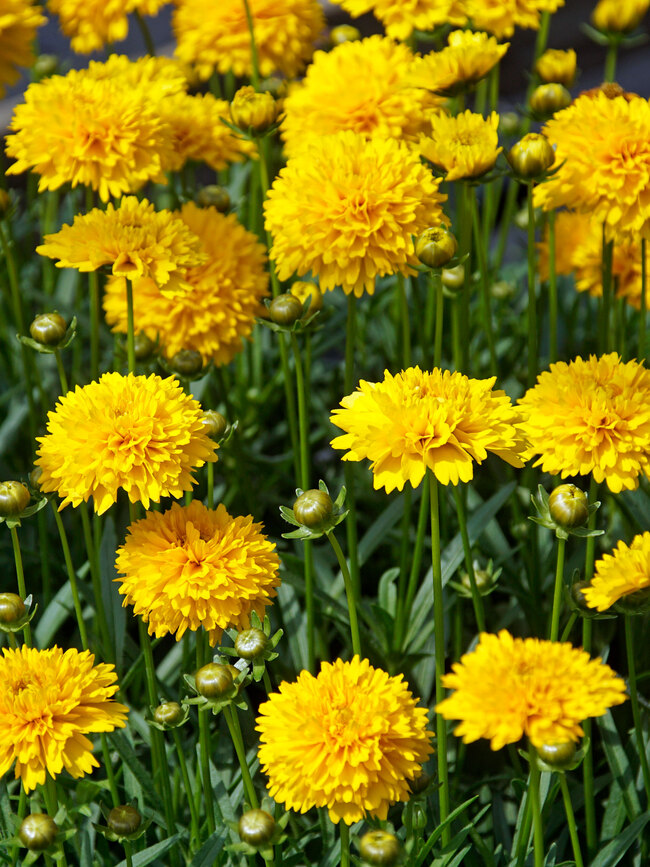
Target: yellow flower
{"points": [[467, 59], [345, 209], [417, 420], [142, 434], [99, 133], [157, 77], [500, 17], [191, 567], [49, 701], [357, 86], [224, 297], [349, 739], [137, 241], [18, 22], [591, 417], [401, 17], [92, 24], [603, 150], [621, 574], [214, 36], [619, 16], [509, 687], [557, 66], [465, 146]]}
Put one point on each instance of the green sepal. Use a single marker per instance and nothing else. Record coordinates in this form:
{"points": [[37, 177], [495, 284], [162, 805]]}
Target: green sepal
{"points": [[13, 521], [65, 341]]}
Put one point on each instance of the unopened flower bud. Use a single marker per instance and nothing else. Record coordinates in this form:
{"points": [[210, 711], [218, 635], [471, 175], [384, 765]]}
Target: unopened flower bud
{"points": [[379, 848], [502, 289], [187, 362], [557, 66], [45, 64], [257, 827], [143, 346], [303, 290], [169, 713], [48, 328], [285, 309], [251, 643], [34, 478], [215, 424], [252, 110], [12, 608], [613, 16], [453, 278], [213, 680], [482, 577], [577, 596], [546, 99], [558, 756], [14, 498], [344, 33], [568, 506], [214, 196], [435, 247], [531, 156], [37, 831], [509, 123], [124, 820], [313, 509], [419, 784]]}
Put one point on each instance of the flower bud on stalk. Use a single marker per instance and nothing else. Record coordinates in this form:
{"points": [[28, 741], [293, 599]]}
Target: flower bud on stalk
{"points": [[214, 196], [344, 33], [313, 509], [187, 362], [557, 66], [614, 16], [531, 156], [214, 680], [37, 832], [558, 756], [48, 328], [12, 608], [435, 247], [257, 827], [143, 346], [169, 713], [124, 820], [215, 424], [546, 99], [251, 643], [379, 848], [285, 309], [568, 506], [14, 498], [250, 110], [453, 278]]}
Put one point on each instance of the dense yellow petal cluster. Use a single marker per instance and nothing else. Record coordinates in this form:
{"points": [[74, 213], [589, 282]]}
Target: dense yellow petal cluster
{"points": [[19, 20], [603, 150], [158, 76], [620, 574], [401, 17], [619, 16], [91, 24], [467, 59], [49, 701], [500, 17], [137, 241], [557, 66], [349, 739], [591, 416], [214, 37], [139, 433], [509, 687], [192, 568], [417, 420], [219, 311], [346, 209], [464, 146]]}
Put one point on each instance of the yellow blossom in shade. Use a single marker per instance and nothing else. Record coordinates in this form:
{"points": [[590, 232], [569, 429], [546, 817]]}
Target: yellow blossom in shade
{"points": [[193, 567], [621, 574], [401, 17], [619, 16], [500, 17], [19, 20], [557, 66], [157, 77], [139, 433], [346, 209], [91, 24], [49, 701], [349, 739], [219, 312], [137, 241], [603, 153], [509, 687], [464, 146], [214, 37], [419, 420], [591, 416], [468, 58]]}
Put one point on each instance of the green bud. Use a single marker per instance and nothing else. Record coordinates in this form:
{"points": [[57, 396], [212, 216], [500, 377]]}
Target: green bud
{"points": [[285, 309], [14, 499], [569, 506], [37, 832], [558, 756], [213, 680], [257, 828], [380, 848], [251, 643], [531, 156], [124, 820], [48, 328], [187, 362], [12, 608], [214, 196], [144, 346], [169, 713], [435, 247], [215, 424], [313, 509]]}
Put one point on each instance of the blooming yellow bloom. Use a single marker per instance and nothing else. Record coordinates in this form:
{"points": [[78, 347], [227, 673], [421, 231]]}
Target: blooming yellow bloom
{"points": [[18, 22], [465, 146], [156, 77], [137, 241], [139, 433], [467, 59], [500, 17], [92, 24], [621, 574], [591, 417], [49, 701], [557, 66], [401, 17], [619, 16], [349, 739], [508, 687], [214, 37], [417, 420], [219, 310], [345, 209], [191, 567]]}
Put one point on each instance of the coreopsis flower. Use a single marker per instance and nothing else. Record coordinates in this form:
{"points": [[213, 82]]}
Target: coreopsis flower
{"points": [[591, 417], [192, 567], [49, 701], [468, 58], [500, 17], [509, 687], [619, 16], [158, 77], [219, 311], [464, 146], [91, 24], [603, 151], [621, 574], [401, 17], [557, 66], [137, 241], [419, 420], [139, 433], [214, 37], [357, 86], [19, 20], [346, 209], [349, 739]]}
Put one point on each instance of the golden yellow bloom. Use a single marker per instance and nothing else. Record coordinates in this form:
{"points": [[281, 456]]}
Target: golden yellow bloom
{"points": [[214, 37], [345, 209], [467, 59], [18, 22], [417, 420], [465, 146], [500, 17], [401, 17], [357, 86], [137, 241], [250, 109], [349, 739], [619, 16], [99, 133], [219, 310], [621, 574], [49, 701], [139, 433], [603, 150], [509, 687], [91, 24], [191, 567], [591, 417], [557, 66], [156, 77]]}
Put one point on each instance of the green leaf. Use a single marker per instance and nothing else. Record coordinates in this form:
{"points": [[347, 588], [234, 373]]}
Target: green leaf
{"points": [[54, 616], [619, 764], [111, 599], [120, 743], [208, 852], [387, 595], [148, 856], [376, 534], [614, 851]]}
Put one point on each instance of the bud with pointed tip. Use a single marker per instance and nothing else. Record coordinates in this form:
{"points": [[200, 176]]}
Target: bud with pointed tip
{"points": [[250, 110], [531, 156]]}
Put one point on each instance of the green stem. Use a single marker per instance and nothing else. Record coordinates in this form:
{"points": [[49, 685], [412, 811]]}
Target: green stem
{"points": [[128, 854], [93, 291], [571, 820], [146, 35], [130, 326], [232, 720], [204, 741], [20, 577], [63, 379], [436, 284], [52, 806], [351, 522], [644, 301], [72, 577], [587, 635], [634, 700], [485, 285], [403, 613], [533, 791], [532, 302], [608, 293], [477, 599], [50, 214], [110, 776], [559, 589], [344, 832], [255, 66], [211, 485], [552, 288], [95, 575], [405, 321], [611, 58], [349, 592], [189, 794], [464, 221]]}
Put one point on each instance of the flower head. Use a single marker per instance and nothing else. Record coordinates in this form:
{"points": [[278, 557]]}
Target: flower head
{"points": [[219, 310], [467, 59], [418, 420], [401, 17], [591, 417], [49, 701], [191, 567], [19, 20], [619, 16], [137, 241], [92, 24], [345, 209], [465, 146], [621, 574], [557, 66], [158, 77], [500, 17], [139, 433], [349, 739]]}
